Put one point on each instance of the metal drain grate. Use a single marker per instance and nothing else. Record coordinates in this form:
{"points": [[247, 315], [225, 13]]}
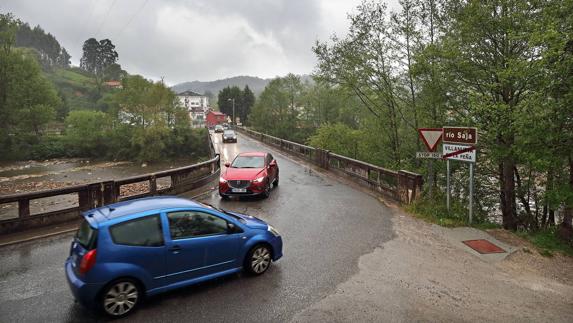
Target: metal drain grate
{"points": [[483, 246]]}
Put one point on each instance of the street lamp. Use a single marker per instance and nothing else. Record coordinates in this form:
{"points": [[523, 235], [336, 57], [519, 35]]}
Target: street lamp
{"points": [[233, 121]]}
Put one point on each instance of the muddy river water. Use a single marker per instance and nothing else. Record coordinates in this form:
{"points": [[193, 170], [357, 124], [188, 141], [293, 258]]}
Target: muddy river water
{"points": [[30, 176]]}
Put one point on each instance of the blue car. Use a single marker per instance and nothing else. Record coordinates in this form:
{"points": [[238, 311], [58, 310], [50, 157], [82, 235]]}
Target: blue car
{"points": [[126, 251]]}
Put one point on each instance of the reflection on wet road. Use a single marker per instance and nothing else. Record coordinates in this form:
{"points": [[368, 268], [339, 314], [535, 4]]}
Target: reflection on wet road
{"points": [[326, 226]]}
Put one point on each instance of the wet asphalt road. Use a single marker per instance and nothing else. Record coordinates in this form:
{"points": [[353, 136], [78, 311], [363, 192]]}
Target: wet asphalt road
{"points": [[326, 226]]}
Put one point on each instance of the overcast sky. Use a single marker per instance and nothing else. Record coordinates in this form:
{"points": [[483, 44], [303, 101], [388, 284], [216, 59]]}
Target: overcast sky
{"points": [[186, 40]]}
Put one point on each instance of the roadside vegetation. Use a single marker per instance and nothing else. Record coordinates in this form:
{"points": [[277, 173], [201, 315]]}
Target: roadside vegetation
{"points": [[505, 67], [49, 109]]}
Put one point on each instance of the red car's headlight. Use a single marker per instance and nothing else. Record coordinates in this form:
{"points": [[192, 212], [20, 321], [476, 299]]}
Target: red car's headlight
{"points": [[222, 180], [259, 180]]}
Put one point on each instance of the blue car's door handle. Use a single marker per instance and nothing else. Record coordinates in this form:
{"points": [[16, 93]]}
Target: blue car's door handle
{"points": [[175, 249]]}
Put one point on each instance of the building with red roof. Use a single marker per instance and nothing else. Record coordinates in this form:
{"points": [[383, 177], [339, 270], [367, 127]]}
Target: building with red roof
{"points": [[215, 118]]}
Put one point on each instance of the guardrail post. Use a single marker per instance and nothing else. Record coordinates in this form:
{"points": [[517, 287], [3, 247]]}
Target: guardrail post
{"points": [[23, 208], [83, 199], [95, 195], [109, 192], [409, 186], [152, 184]]}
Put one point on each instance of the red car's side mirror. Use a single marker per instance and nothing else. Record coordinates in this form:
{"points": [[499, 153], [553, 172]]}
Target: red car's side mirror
{"points": [[227, 164]]}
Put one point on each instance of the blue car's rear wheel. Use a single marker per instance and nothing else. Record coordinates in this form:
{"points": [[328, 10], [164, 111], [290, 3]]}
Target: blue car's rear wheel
{"points": [[258, 259], [120, 298]]}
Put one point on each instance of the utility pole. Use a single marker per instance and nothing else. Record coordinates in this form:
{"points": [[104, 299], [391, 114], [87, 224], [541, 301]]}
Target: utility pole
{"points": [[233, 121]]}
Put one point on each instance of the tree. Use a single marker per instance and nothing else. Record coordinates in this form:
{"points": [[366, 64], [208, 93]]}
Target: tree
{"points": [[488, 49], [365, 63], [86, 132], [97, 58], [247, 103], [50, 52], [89, 59], [277, 109], [225, 100], [27, 99], [114, 72]]}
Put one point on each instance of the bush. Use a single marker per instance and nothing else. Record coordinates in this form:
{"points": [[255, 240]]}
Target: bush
{"points": [[86, 134]]}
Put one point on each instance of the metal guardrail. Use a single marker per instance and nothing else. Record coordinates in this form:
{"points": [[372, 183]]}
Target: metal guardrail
{"points": [[403, 186], [97, 194]]}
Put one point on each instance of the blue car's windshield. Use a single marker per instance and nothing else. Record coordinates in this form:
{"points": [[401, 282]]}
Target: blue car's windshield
{"points": [[249, 162], [224, 211]]}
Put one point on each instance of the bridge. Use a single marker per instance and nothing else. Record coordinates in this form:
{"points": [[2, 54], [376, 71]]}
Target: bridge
{"points": [[332, 222]]}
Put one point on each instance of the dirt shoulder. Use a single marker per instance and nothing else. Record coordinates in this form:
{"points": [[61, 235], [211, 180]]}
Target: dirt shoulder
{"points": [[528, 260], [421, 276]]}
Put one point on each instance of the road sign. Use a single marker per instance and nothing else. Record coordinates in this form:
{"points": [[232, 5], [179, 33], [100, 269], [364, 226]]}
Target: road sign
{"points": [[459, 152], [460, 135], [428, 154], [431, 137]]}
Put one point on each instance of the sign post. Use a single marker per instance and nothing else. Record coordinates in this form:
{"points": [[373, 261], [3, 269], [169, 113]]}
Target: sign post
{"points": [[459, 144], [448, 185], [471, 191]]}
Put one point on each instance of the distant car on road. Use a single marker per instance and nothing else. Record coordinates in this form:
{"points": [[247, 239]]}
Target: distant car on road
{"points": [[128, 250], [249, 174], [226, 126], [229, 136], [219, 128]]}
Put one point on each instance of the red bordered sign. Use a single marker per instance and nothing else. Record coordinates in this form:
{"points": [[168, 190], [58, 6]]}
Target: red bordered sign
{"points": [[431, 137]]}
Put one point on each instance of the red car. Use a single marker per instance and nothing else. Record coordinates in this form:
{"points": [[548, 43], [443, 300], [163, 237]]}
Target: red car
{"points": [[249, 174]]}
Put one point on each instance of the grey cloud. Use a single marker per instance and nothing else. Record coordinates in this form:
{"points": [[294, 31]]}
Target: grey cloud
{"points": [[188, 40]]}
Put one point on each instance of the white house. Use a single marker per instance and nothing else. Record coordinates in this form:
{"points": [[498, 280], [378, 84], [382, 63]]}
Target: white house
{"points": [[191, 100]]}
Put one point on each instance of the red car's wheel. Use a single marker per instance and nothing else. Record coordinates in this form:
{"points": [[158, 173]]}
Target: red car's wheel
{"points": [[267, 191]]}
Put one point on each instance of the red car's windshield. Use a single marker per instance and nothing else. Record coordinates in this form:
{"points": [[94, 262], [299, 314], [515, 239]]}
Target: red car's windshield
{"points": [[248, 162]]}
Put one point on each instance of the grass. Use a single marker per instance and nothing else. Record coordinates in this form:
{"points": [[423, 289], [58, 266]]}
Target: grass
{"points": [[434, 211], [547, 242], [72, 76]]}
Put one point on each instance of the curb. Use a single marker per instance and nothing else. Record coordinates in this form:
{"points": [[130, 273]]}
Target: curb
{"points": [[46, 235]]}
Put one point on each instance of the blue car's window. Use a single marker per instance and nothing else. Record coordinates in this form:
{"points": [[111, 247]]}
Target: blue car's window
{"points": [[86, 235], [145, 232], [189, 224]]}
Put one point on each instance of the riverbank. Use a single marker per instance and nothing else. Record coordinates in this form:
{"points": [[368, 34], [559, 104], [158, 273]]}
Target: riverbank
{"points": [[31, 176]]}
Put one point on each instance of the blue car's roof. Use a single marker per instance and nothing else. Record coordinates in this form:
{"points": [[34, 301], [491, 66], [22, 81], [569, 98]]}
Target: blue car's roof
{"points": [[116, 210]]}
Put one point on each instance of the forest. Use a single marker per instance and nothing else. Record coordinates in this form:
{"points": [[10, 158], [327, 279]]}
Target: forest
{"points": [[505, 67], [49, 109]]}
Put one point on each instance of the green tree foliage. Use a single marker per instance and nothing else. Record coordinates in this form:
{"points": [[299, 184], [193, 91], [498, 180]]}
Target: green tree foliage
{"points": [[87, 132], [503, 66], [50, 53], [150, 124], [28, 100], [365, 62], [98, 58], [114, 72], [243, 100], [339, 138], [247, 103], [277, 110]]}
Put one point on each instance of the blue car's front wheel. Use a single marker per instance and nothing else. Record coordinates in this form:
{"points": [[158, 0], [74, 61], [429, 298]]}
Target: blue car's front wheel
{"points": [[258, 259]]}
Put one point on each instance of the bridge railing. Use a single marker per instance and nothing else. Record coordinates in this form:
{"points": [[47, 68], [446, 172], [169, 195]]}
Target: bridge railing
{"points": [[92, 195], [403, 186]]}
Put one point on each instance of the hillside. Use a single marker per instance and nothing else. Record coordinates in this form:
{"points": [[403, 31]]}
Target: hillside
{"points": [[256, 84]]}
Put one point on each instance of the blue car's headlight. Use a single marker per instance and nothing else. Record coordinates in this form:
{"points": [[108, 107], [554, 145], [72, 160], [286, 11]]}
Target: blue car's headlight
{"points": [[274, 231]]}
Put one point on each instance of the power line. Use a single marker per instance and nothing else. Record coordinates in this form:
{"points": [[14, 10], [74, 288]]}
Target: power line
{"points": [[131, 19], [87, 21], [105, 18]]}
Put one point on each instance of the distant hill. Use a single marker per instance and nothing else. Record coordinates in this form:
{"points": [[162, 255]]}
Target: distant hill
{"points": [[256, 84]]}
